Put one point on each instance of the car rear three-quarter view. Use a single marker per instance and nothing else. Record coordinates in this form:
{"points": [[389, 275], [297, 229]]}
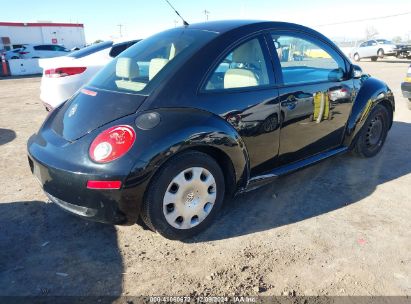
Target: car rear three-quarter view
{"points": [[190, 116]]}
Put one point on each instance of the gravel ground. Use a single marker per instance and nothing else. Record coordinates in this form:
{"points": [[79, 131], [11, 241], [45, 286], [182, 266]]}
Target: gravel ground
{"points": [[338, 228]]}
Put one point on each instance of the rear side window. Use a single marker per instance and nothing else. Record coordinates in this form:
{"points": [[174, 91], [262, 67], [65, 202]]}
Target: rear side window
{"points": [[150, 60], [244, 67], [91, 49], [303, 61]]}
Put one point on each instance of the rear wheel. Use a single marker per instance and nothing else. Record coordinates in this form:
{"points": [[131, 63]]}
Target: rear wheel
{"points": [[357, 57], [373, 134], [380, 53], [184, 196]]}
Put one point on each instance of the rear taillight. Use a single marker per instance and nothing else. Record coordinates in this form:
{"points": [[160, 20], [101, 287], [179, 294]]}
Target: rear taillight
{"points": [[63, 72], [112, 143], [103, 185]]}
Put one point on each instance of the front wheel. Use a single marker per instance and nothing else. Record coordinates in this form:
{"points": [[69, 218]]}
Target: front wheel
{"points": [[373, 134], [380, 53], [357, 57], [184, 196]]}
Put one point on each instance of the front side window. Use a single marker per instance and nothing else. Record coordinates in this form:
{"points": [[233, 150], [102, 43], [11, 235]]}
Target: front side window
{"points": [[303, 61], [148, 61], [244, 67]]}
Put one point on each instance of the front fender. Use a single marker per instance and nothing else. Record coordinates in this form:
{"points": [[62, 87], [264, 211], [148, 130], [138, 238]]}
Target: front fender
{"points": [[182, 129], [372, 92]]}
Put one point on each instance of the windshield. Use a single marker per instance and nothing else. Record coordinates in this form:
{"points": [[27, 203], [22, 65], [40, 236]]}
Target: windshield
{"points": [[150, 60], [383, 41], [91, 49]]}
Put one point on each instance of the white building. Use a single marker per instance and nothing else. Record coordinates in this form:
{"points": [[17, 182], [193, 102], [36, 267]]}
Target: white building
{"points": [[14, 34]]}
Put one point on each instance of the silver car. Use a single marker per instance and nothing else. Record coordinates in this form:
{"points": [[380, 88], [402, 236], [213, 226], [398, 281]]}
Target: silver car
{"points": [[374, 49]]}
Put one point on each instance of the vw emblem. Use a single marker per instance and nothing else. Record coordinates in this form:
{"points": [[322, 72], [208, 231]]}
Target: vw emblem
{"points": [[190, 197]]}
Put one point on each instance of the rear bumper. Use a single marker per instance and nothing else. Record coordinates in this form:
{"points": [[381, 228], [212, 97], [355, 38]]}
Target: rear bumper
{"points": [[69, 191], [406, 89]]}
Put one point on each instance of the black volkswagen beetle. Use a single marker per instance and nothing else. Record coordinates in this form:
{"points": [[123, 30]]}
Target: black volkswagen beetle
{"points": [[195, 114]]}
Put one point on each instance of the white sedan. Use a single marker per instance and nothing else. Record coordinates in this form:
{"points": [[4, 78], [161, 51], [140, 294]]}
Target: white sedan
{"points": [[63, 76]]}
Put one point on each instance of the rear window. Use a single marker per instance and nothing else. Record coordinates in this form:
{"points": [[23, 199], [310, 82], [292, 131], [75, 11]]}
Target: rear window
{"points": [[91, 49], [138, 68], [121, 47]]}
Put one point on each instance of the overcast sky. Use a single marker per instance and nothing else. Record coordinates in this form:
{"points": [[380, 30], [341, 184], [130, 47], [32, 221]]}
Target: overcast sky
{"points": [[141, 18]]}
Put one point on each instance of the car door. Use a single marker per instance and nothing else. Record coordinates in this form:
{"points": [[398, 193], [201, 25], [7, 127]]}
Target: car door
{"points": [[316, 94], [362, 49], [372, 48], [242, 89]]}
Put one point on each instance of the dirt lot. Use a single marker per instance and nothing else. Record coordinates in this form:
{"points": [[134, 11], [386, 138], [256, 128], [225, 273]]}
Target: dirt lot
{"points": [[339, 228]]}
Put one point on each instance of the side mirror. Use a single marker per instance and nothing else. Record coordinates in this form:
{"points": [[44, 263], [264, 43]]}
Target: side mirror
{"points": [[356, 72]]}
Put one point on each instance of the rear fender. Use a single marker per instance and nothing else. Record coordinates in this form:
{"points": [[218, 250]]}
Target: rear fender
{"points": [[182, 129], [371, 93]]}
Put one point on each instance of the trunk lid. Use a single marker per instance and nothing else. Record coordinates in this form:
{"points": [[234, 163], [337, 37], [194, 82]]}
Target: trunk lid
{"points": [[90, 109]]}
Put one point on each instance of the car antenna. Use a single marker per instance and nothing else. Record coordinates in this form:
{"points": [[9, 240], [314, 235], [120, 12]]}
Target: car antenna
{"points": [[178, 14]]}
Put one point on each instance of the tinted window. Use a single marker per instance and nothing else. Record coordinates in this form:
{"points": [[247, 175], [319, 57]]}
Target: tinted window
{"points": [[245, 66], [60, 48], [121, 47], [151, 59], [303, 61], [91, 49], [384, 41], [363, 44], [44, 47]]}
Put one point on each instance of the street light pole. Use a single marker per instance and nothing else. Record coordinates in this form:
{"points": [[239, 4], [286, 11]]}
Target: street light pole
{"points": [[206, 13]]}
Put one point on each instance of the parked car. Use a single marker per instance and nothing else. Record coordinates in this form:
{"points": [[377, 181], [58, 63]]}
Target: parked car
{"points": [[374, 49], [170, 142], [63, 76], [42, 51], [404, 51], [406, 87], [12, 54]]}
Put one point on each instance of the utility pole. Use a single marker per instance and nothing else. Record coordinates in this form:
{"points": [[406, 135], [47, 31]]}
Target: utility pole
{"points": [[120, 27], [206, 13]]}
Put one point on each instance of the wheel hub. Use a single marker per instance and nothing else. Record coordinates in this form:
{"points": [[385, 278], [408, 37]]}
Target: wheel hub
{"points": [[189, 198], [374, 132]]}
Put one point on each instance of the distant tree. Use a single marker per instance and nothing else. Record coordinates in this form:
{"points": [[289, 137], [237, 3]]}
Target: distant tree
{"points": [[396, 39], [371, 32], [97, 41]]}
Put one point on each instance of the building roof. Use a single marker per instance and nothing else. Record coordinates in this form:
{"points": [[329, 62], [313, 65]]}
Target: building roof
{"points": [[41, 24]]}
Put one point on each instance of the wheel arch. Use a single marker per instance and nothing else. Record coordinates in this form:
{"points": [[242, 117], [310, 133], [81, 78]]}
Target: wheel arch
{"points": [[371, 93]]}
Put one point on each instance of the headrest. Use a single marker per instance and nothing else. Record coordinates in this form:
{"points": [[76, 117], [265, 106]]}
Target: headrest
{"points": [[156, 65], [127, 68], [246, 52], [172, 51], [239, 78]]}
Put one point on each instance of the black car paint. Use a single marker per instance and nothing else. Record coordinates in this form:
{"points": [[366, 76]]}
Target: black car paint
{"points": [[219, 123]]}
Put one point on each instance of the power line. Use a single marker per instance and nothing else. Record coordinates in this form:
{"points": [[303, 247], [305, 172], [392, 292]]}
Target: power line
{"points": [[366, 19]]}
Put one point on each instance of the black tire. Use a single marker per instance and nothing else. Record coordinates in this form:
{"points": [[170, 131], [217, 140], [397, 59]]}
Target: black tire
{"points": [[374, 58], [152, 210], [357, 57], [373, 134], [380, 53]]}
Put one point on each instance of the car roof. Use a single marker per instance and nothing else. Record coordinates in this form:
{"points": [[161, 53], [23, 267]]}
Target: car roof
{"points": [[224, 26]]}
